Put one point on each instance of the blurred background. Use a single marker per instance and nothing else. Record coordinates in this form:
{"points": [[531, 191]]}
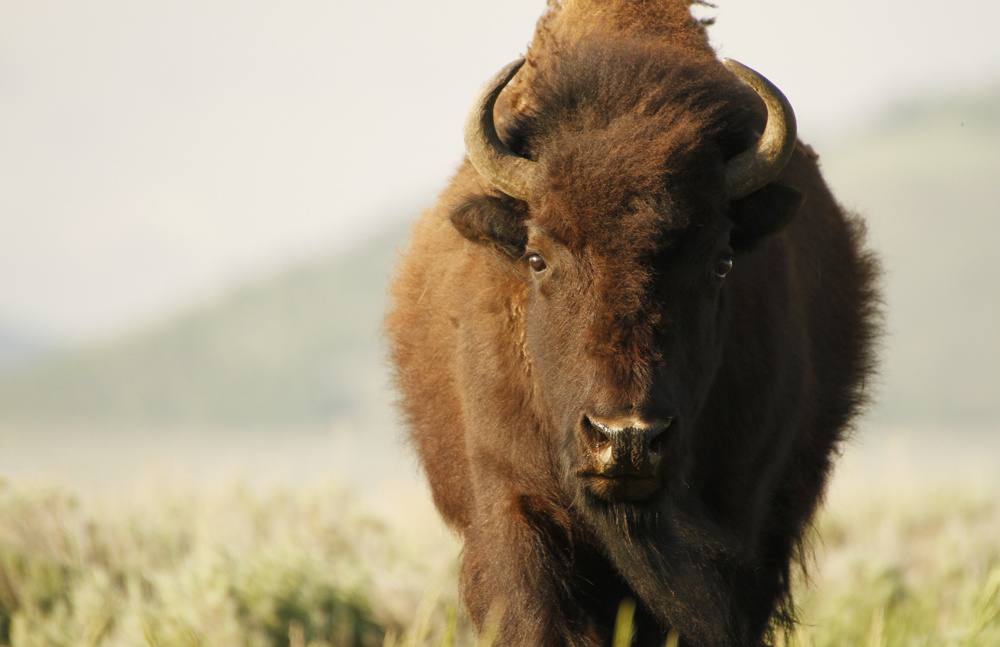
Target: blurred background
{"points": [[200, 204]]}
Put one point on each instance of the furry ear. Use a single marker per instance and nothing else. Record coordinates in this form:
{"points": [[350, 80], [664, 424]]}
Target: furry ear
{"points": [[496, 221], [763, 213]]}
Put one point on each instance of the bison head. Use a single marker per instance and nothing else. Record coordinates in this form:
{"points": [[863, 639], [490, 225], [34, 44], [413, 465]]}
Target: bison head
{"points": [[637, 183]]}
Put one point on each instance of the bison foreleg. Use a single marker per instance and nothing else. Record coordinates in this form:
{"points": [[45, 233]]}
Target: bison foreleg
{"points": [[518, 576]]}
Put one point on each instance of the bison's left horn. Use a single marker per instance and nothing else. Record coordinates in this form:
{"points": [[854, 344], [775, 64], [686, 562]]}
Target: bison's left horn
{"points": [[756, 166], [500, 166]]}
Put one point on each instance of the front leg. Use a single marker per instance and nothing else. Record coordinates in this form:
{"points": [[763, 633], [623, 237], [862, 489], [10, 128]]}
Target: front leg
{"points": [[520, 570]]}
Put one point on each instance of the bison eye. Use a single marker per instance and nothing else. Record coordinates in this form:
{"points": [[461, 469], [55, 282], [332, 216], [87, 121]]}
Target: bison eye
{"points": [[536, 263], [723, 265]]}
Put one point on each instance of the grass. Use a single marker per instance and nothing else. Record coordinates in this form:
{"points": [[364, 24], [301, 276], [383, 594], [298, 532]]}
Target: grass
{"points": [[911, 567], [894, 566], [236, 568]]}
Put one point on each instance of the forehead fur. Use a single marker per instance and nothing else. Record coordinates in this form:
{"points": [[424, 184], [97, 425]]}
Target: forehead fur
{"points": [[630, 132]]}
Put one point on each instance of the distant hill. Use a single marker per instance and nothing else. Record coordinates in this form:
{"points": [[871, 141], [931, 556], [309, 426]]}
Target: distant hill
{"points": [[18, 348], [302, 348], [927, 177]]}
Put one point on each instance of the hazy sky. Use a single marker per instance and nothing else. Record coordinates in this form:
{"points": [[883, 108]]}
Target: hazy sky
{"points": [[153, 152]]}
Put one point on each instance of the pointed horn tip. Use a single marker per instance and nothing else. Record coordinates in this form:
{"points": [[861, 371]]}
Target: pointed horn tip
{"points": [[512, 68], [754, 168], [502, 168], [766, 89]]}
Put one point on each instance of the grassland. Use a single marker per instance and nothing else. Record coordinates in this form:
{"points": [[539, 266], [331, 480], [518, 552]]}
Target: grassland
{"points": [[238, 567], [902, 561], [920, 567]]}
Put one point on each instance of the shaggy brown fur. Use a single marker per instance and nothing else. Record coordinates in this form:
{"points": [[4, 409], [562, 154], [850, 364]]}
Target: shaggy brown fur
{"points": [[631, 120]]}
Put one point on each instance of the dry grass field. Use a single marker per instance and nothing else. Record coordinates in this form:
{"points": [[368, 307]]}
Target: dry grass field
{"points": [[907, 552]]}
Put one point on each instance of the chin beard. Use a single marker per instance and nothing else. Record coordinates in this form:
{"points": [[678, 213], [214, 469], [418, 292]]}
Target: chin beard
{"points": [[674, 560]]}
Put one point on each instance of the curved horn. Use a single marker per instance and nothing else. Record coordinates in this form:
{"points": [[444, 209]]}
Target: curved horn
{"points": [[755, 167], [499, 165]]}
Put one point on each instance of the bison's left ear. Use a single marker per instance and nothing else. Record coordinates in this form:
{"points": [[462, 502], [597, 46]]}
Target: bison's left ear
{"points": [[762, 213], [495, 221]]}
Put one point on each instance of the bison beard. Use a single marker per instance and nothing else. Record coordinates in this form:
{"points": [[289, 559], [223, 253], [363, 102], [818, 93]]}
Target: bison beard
{"points": [[682, 572], [630, 336]]}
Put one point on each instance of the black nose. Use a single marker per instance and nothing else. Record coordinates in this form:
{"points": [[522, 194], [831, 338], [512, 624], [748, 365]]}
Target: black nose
{"points": [[626, 444]]}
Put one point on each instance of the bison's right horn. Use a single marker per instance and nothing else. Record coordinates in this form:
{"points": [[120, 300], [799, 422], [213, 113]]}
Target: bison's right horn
{"points": [[756, 166], [500, 166]]}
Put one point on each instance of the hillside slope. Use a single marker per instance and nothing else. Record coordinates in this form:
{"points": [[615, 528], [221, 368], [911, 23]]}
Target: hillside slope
{"points": [[927, 178], [302, 348], [18, 348]]}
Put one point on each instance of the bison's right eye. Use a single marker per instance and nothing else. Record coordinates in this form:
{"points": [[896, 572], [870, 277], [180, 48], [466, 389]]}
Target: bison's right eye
{"points": [[536, 263], [723, 265]]}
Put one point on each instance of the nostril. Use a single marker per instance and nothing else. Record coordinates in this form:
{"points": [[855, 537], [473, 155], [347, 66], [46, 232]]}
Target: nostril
{"points": [[656, 444], [597, 434], [656, 436]]}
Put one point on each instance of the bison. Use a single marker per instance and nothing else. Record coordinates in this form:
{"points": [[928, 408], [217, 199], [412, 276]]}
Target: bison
{"points": [[630, 336]]}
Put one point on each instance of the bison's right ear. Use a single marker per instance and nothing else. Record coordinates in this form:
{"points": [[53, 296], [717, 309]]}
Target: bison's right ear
{"points": [[763, 213], [496, 221]]}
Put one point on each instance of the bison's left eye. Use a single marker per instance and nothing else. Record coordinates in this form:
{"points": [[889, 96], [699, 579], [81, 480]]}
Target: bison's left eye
{"points": [[723, 265], [536, 263]]}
